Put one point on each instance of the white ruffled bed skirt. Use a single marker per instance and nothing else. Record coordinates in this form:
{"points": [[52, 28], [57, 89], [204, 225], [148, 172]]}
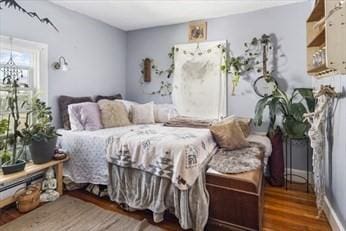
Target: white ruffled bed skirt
{"points": [[142, 190]]}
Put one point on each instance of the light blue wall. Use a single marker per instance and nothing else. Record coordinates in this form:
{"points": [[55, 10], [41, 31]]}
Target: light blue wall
{"points": [[96, 52], [97, 55], [286, 22]]}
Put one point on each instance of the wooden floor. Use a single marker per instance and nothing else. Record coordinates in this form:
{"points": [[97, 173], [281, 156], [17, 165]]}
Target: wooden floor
{"points": [[283, 210]]}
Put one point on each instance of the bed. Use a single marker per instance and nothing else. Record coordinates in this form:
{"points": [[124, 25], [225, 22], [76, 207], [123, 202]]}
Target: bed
{"points": [[172, 178]]}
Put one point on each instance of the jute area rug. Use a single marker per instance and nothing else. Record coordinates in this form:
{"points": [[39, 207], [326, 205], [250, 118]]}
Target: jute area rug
{"points": [[72, 214]]}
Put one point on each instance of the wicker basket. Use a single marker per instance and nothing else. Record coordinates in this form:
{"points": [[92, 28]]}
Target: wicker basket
{"points": [[27, 198]]}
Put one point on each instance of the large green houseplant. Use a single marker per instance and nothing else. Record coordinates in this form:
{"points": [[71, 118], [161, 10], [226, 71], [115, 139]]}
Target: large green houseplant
{"points": [[12, 159], [291, 108], [40, 135]]}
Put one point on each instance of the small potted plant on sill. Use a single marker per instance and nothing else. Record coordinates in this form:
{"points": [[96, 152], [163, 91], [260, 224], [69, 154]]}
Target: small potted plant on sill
{"points": [[40, 136]]}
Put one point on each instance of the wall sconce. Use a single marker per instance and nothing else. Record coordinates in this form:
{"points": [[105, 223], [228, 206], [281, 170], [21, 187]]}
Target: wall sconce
{"points": [[61, 64]]}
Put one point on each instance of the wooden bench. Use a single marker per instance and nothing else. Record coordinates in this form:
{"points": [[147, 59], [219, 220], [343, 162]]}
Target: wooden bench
{"points": [[31, 169]]}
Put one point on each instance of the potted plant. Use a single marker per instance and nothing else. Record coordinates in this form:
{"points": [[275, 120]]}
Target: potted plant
{"points": [[11, 160], [292, 110], [40, 135]]}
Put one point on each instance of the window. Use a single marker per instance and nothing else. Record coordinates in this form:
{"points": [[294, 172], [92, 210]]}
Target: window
{"points": [[31, 58]]}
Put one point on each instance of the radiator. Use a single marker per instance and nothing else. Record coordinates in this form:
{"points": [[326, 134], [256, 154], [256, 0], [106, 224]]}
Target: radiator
{"points": [[10, 188]]}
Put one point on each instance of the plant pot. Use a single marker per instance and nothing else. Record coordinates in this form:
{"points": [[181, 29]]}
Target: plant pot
{"points": [[42, 151], [12, 168]]}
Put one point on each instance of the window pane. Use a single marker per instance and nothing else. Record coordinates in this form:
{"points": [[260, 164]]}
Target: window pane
{"points": [[25, 79], [22, 97], [20, 58]]}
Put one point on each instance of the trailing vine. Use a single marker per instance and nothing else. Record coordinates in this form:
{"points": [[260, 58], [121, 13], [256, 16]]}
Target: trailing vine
{"points": [[251, 60], [165, 88]]}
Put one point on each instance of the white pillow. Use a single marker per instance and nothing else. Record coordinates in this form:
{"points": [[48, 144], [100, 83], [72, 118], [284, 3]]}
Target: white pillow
{"points": [[143, 113], [164, 112]]}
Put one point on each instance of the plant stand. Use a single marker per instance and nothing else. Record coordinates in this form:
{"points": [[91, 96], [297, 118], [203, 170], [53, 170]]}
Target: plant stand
{"points": [[288, 154]]}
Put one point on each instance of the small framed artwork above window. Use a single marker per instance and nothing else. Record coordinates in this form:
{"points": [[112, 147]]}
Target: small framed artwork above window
{"points": [[197, 31]]}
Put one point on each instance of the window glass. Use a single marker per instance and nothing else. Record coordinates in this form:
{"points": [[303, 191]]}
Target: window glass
{"points": [[20, 58], [24, 61]]}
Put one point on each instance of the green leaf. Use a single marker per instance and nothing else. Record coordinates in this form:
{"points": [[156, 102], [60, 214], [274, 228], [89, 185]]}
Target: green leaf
{"points": [[308, 95], [297, 111], [259, 109], [294, 128]]}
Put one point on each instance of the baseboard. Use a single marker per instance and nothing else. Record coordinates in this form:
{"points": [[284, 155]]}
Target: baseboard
{"points": [[333, 219], [301, 173]]}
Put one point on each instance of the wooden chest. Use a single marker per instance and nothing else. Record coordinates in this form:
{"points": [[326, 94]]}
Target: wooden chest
{"points": [[236, 200]]}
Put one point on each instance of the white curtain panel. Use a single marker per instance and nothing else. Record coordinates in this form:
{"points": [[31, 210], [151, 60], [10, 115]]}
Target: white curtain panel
{"points": [[199, 84]]}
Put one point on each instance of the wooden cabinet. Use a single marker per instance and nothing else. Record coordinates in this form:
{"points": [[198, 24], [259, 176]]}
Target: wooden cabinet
{"points": [[326, 38], [236, 201]]}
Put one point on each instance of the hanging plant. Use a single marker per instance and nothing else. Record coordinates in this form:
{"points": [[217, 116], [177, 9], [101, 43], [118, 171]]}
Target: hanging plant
{"points": [[13, 4], [253, 51], [236, 66]]}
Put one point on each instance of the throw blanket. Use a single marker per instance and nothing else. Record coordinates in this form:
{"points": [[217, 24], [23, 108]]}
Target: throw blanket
{"points": [[190, 122], [238, 161], [178, 154]]}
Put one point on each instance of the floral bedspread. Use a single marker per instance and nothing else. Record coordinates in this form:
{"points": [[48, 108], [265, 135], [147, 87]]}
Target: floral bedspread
{"points": [[178, 154]]}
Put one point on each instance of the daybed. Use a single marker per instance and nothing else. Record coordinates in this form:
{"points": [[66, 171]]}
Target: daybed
{"points": [[148, 183]]}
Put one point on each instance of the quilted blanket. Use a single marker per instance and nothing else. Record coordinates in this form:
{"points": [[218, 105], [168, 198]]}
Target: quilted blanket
{"points": [[178, 154]]}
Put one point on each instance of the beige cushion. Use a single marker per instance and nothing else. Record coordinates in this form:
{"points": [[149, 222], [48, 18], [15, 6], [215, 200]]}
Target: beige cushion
{"points": [[228, 135], [113, 114], [243, 122], [143, 113]]}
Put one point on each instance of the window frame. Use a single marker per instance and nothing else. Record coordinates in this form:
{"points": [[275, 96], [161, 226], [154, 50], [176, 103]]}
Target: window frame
{"points": [[39, 65]]}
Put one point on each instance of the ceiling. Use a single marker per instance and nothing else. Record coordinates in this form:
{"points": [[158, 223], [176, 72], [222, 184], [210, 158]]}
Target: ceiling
{"points": [[137, 14]]}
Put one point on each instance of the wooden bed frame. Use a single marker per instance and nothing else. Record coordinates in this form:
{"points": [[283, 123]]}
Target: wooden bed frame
{"points": [[236, 201]]}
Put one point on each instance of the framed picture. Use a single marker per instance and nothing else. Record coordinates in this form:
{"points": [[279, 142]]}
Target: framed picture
{"points": [[197, 31]]}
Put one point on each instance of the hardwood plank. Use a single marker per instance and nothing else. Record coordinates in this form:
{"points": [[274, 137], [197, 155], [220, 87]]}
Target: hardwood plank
{"points": [[291, 210]]}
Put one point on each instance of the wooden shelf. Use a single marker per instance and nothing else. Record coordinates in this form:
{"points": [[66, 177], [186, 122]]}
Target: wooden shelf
{"points": [[30, 168], [318, 40], [318, 11], [325, 28]]}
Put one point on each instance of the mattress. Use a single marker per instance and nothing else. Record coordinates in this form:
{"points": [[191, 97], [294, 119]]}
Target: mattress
{"points": [[88, 149]]}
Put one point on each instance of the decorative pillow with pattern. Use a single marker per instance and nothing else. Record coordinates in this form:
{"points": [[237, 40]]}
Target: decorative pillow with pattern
{"points": [[228, 135], [143, 113], [84, 116], [113, 113]]}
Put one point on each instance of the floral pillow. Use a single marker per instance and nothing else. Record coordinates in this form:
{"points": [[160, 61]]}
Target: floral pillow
{"points": [[84, 116]]}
